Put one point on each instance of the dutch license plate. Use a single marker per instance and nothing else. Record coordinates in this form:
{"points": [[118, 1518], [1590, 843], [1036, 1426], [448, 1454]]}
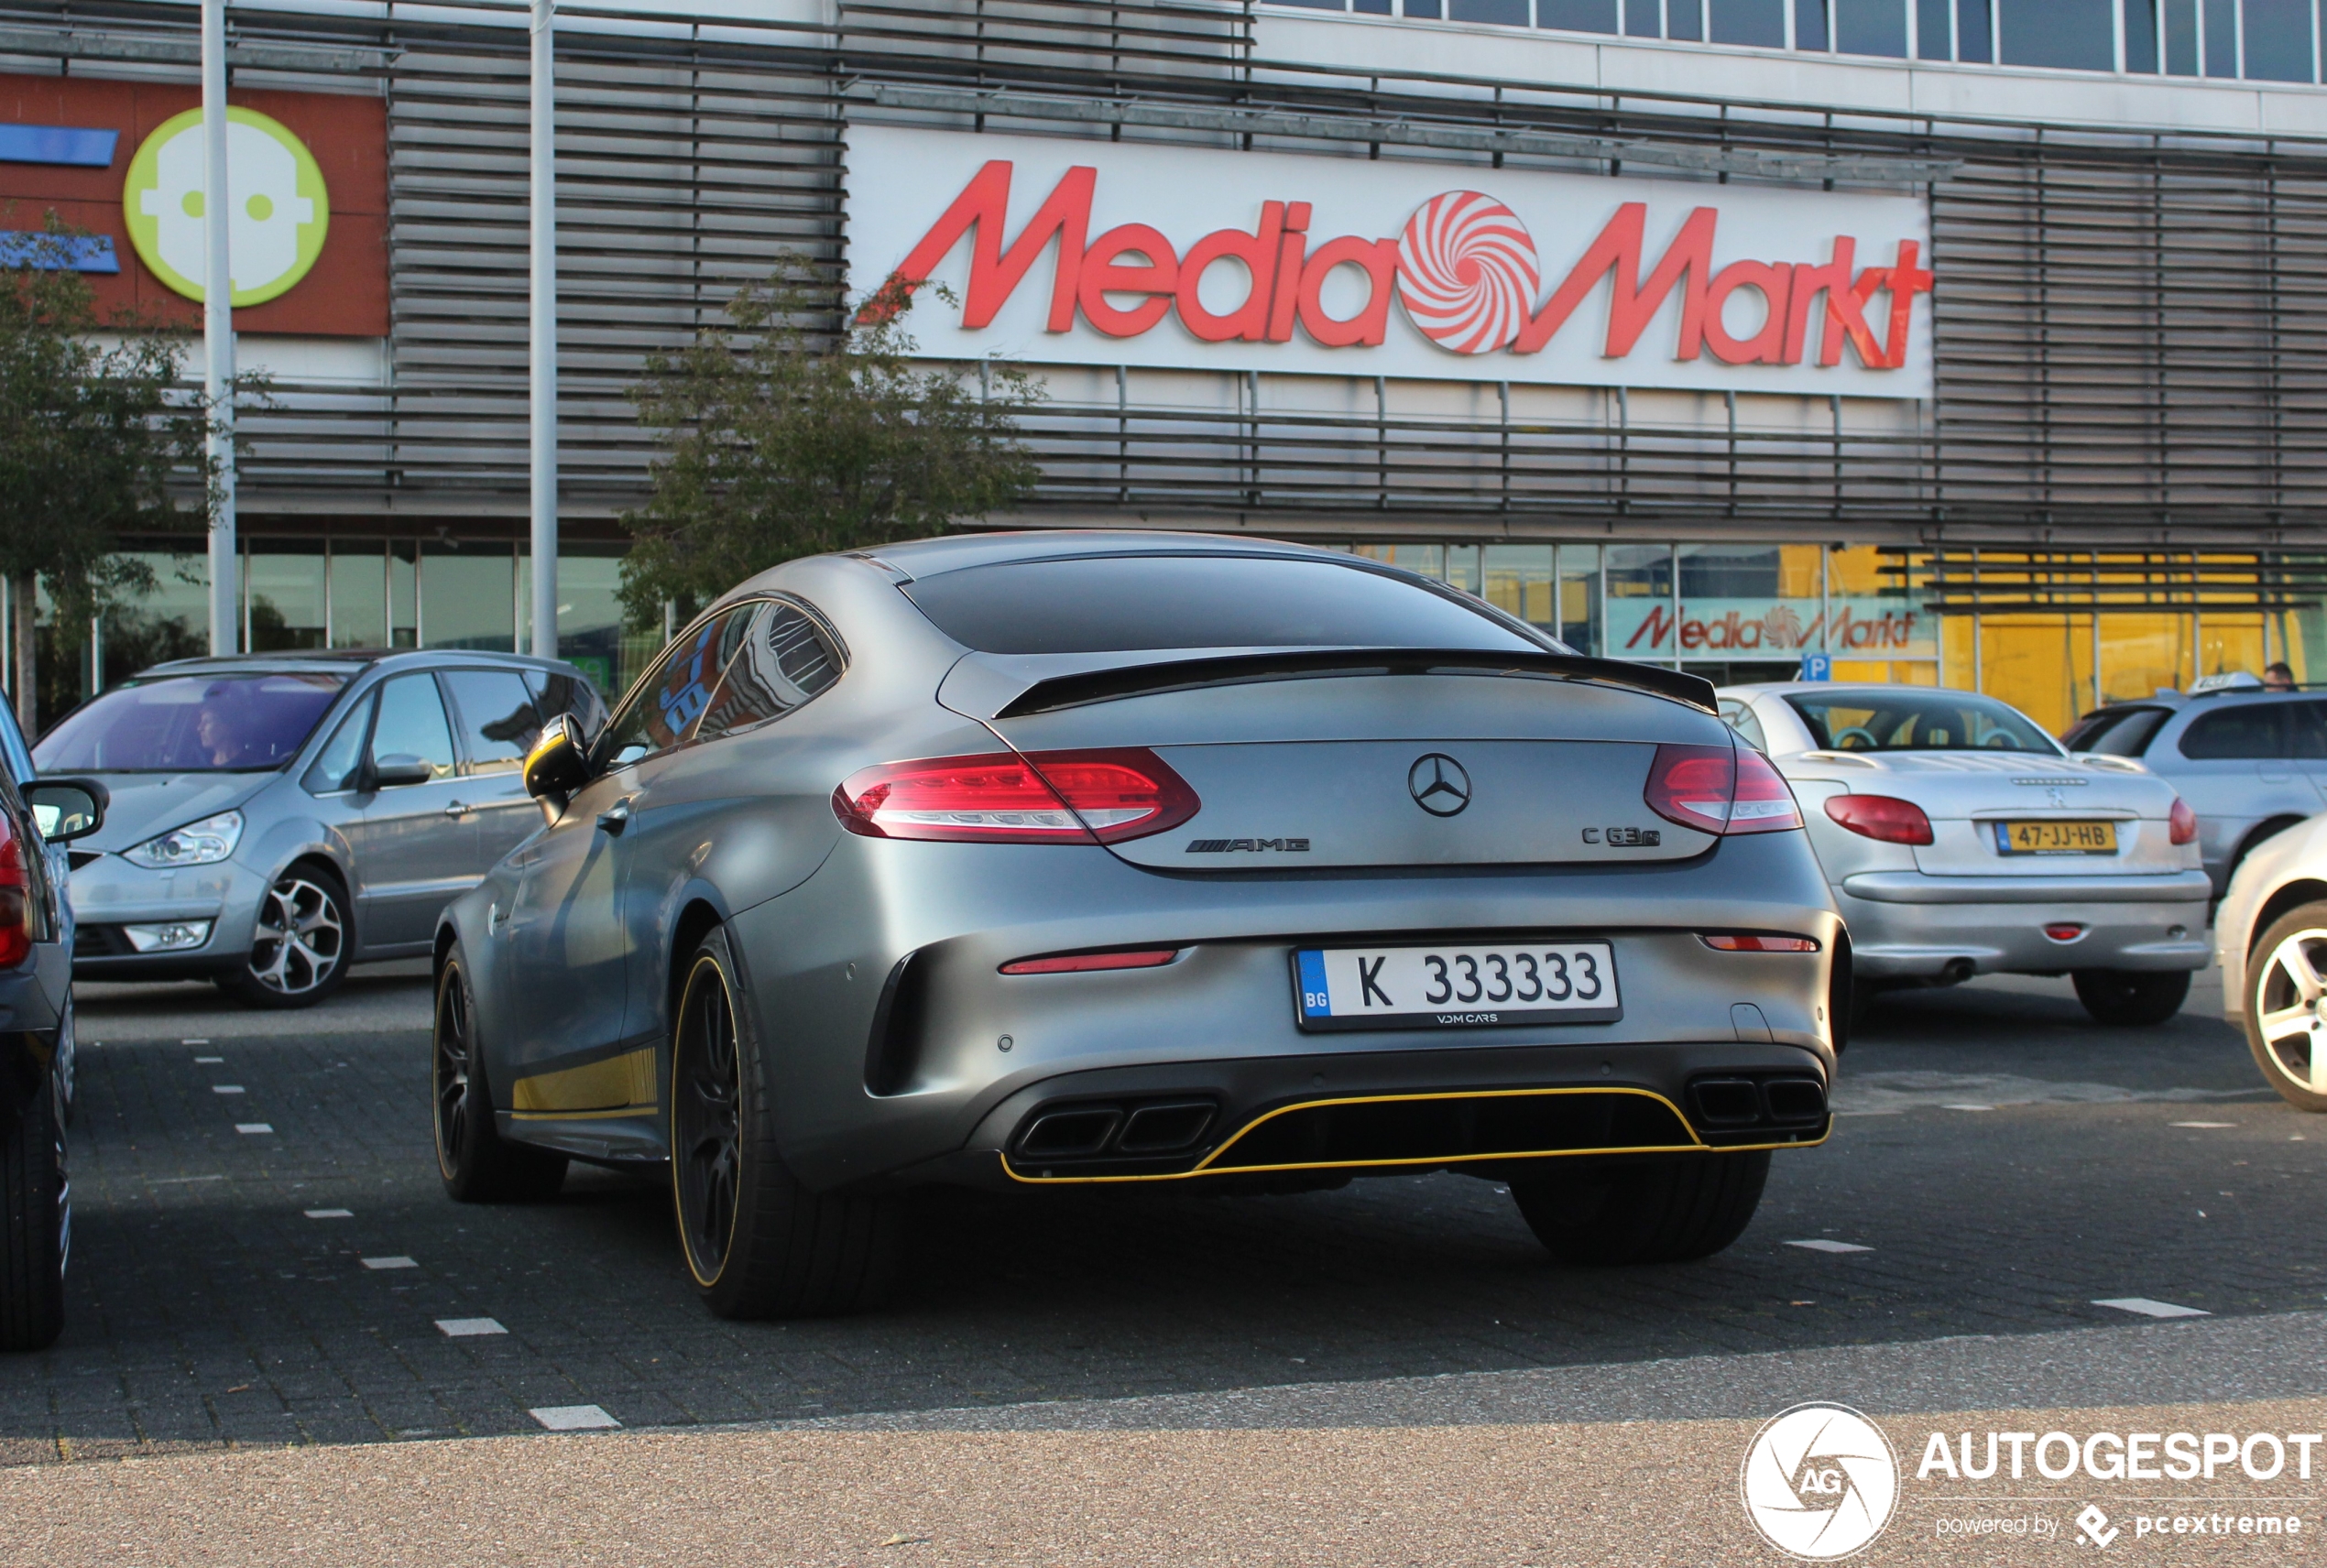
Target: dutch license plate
{"points": [[2056, 838], [1456, 987]]}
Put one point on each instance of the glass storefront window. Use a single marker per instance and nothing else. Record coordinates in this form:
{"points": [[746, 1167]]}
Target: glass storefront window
{"points": [[1580, 608], [470, 597], [1518, 583], [283, 594], [404, 593], [359, 594]]}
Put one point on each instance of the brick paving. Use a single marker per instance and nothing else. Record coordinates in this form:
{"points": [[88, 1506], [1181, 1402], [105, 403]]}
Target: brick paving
{"points": [[207, 1308]]}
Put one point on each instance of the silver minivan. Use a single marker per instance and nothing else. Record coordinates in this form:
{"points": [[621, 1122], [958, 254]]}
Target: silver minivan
{"points": [[275, 818]]}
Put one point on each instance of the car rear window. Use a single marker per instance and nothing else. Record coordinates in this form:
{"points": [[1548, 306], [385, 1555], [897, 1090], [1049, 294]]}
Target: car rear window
{"points": [[2117, 732], [1123, 604], [1917, 721], [191, 724]]}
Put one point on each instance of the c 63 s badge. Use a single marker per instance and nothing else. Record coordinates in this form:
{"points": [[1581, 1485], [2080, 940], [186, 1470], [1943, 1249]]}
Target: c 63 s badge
{"points": [[1253, 846], [1624, 838]]}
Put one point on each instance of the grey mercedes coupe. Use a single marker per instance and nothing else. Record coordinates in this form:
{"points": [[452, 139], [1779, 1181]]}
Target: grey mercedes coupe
{"points": [[1119, 858]]}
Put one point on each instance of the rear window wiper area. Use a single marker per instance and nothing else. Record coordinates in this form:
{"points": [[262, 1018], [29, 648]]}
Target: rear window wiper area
{"points": [[1081, 689]]}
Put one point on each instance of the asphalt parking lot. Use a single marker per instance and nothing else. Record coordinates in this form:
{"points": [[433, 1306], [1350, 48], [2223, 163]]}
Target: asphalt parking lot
{"points": [[2004, 1164]]}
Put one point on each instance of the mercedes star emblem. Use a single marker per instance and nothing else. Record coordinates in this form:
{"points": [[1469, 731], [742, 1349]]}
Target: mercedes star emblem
{"points": [[1438, 784]]}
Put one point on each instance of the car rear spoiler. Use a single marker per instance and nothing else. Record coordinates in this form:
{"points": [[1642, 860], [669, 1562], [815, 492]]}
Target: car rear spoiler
{"points": [[1324, 663]]}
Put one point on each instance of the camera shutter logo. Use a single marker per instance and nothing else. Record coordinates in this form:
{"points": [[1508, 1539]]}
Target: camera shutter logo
{"points": [[1819, 1481], [281, 208]]}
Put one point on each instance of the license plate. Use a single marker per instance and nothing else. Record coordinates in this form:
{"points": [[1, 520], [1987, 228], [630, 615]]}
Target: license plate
{"points": [[1456, 987], [2056, 838]]}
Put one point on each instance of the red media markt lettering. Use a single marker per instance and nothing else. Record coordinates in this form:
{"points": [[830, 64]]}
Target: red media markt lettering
{"points": [[1464, 268]]}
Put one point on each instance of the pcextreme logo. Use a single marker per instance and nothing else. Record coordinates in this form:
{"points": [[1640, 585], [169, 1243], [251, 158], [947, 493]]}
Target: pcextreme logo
{"points": [[281, 209], [1153, 254], [1819, 1481]]}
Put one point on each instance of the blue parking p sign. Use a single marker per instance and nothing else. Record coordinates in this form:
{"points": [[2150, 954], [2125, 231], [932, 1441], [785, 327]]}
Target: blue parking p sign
{"points": [[1816, 666]]}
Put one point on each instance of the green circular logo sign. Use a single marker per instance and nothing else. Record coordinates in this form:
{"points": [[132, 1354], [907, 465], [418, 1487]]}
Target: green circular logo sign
{"points": [[281, 208]]}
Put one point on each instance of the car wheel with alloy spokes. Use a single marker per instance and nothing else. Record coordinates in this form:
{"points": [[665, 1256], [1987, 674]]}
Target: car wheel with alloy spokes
{"points": [[2286, 1006], [300, 943], [478, 1165], [757, 1241]]}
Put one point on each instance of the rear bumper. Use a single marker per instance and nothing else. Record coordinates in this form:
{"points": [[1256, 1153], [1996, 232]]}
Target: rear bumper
{"points": [[1400, 1112], [1908, 926]]}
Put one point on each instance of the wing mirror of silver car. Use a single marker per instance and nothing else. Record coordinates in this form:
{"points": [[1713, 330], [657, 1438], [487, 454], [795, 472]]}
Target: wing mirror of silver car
{"points": [[66, 809], [399, 768], [559, 763]]}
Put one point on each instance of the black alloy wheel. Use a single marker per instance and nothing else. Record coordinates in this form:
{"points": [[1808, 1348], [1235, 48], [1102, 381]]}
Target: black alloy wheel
{"points": [[706, 1091], [478, 1164]]}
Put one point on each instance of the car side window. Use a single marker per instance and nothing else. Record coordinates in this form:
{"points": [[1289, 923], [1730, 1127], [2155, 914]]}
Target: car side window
{"points": [[342, 758], [496, 718], [782, 658], [2308, 723], [666, 704], [1741, 719], [2247, 732], [412, 723]]}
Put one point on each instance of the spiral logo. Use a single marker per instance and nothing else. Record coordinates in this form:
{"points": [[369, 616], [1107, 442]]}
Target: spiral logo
{"points": [[1467, 272]]}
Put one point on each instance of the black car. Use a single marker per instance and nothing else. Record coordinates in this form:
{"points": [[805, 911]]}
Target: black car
{"points": [[36, 989]]}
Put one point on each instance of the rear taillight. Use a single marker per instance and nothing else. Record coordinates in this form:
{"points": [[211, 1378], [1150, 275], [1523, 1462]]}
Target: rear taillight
{"points": [[16, 897], [1881, 817], [1047, 797], [2182, 826], [1716, 789]]}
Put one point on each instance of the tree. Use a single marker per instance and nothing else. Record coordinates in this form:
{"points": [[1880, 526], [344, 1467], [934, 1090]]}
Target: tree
{"points": [[95, 443], [781, 437]]}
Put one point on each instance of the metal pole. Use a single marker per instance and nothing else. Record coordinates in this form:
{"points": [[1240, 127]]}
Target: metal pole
{"points": [[545, 336], [218, 328]]}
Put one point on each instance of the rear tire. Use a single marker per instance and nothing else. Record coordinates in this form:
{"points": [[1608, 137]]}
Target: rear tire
{"points": [[36, 1222], [300, 943], [756, 1242], [1634, 1209], [478, 1165], [2286, 997], [2131, 998]]}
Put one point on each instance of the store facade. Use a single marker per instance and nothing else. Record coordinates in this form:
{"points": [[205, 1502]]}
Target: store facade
{"points": [[1983, 342]]}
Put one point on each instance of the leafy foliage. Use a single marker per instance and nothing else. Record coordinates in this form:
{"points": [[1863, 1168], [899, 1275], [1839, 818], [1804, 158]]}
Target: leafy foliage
{"points": [[92, 434], [782, 438]]}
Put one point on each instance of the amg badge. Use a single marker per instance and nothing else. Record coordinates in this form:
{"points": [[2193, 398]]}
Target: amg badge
{"points": [[1231, 845]]}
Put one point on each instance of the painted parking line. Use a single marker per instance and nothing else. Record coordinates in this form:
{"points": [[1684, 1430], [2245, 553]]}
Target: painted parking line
{"points": [[225, 1088], [203, 1060], [574, 1418], [2147, 1308], [2202, 1124], [466, 1328], [398, 1261], [1967, 1107], [1819, 1244], [194, 1042], [254, 1128], [179, 1180], [329, 1214]]}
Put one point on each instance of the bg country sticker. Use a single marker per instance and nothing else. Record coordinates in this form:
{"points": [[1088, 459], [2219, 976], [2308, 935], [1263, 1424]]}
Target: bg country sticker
{"points": [[1822, 1482]]}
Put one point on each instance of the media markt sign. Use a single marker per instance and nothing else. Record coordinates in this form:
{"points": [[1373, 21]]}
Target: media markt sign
{"points": [[282, 209]]}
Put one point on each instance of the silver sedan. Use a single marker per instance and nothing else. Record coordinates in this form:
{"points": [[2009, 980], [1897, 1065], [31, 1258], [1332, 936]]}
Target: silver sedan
{"points": [[1118, 859], [1961, 840], [275, 818]]}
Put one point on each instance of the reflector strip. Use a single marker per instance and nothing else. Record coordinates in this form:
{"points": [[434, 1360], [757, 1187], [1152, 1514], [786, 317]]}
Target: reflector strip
{"points": [[1081, 963], [1728, 942]]}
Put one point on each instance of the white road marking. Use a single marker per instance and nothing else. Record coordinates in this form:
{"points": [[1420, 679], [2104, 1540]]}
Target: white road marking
{"points": [[2202, 1124], [1967, 1107], [225, 1088], [398, 1261], [1877, 1092], [464, 1328], [329, 1213], [1822, 1244], [194, 1042], [574, 1418], [175, 1181], [2147, 1308], [208, 1060], [254, 1128]]}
